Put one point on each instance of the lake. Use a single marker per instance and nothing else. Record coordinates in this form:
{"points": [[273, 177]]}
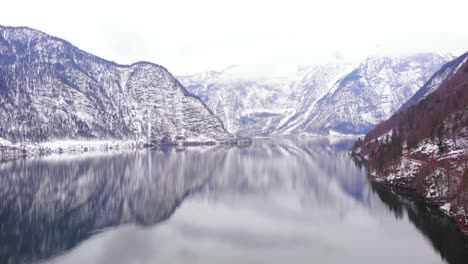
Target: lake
{"points": [[277, 201]]}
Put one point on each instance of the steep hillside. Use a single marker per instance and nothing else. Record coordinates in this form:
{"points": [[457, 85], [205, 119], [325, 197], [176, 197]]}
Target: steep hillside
{"points": [[51, 90]]}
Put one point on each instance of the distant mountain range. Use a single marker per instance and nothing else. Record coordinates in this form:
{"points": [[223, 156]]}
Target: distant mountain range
{"points": [[424, 146], [51, 90], [265, 106], [326, 99]]}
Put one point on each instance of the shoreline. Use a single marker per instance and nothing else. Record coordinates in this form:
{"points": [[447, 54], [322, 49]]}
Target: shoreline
{"points": [[59, 147], [403, 187], [410, 194]]}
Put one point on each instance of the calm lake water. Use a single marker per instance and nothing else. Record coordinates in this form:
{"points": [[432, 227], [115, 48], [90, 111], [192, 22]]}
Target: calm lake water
{"points": [[278, 201]]}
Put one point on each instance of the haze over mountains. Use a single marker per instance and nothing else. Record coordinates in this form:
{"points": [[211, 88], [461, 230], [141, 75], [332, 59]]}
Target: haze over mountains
{"points": [[262, 106], [326, 99]]}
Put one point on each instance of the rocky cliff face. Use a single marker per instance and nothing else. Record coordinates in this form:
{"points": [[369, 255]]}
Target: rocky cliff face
{"points": [[51, 90], [324, 99]]}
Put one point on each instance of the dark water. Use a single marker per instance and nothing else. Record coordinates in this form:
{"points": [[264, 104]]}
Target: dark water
{"points": [[278, 201]]}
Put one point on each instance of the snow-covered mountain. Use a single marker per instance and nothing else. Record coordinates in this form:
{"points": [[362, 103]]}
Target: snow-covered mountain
{"points": [[312, 84], [51, 90], [442, 75], [371, 93], [262, 106], [324, 99]]}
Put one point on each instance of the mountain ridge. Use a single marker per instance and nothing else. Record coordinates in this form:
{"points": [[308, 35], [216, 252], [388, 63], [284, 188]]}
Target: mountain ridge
{"points": [[38, 67], [431, 85]]}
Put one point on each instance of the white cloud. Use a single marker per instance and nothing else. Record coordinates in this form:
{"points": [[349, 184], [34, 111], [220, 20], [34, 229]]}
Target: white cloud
{"points": [[190, 36]]}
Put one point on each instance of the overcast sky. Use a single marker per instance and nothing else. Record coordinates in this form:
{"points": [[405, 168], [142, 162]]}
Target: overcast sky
{"points": [[198, 35]]}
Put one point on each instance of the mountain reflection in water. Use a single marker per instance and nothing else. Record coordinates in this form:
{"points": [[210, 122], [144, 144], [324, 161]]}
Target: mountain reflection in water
{"points": [[297, 201]]}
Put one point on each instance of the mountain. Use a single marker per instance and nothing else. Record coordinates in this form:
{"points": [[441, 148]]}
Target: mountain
{"points": [[446, 72], [311, 84], [236, 101], [262, 106], [323, 99], [51, 90], [424, 147], [370, 93]]}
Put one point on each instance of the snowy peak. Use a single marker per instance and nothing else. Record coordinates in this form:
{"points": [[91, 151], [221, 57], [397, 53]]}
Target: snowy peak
{"points": [[197, 78], [370, 93], [440, 77], [313, 83]]}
